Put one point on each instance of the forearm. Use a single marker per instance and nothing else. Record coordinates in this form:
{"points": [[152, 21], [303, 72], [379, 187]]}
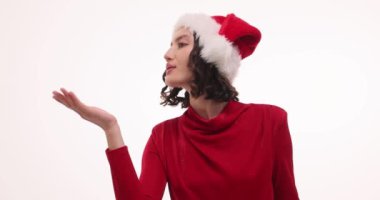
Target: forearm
{"points": [[114, 137], [125, 181]]}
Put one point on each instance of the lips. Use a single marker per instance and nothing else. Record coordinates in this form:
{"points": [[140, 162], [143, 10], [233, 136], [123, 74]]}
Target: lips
{"points": [[169, 68]]}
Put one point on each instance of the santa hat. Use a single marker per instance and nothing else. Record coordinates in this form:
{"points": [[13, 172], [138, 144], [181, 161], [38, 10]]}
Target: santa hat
{"points": [[225, 40]]}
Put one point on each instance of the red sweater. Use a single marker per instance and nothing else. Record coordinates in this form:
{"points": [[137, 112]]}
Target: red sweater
{"points": [[243, 153]]}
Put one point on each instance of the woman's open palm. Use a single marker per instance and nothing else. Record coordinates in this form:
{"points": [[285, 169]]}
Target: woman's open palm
{"points": [[93, 114]]}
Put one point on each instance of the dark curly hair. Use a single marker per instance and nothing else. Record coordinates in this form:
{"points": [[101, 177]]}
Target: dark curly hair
{"points": [[206, 80]]}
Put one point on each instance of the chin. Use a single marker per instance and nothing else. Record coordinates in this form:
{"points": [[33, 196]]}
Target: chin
{"points": [[171, 84], [178, 83]]}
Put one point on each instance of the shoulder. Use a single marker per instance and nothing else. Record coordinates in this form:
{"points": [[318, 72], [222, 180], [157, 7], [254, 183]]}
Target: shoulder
{"points": [[277, 111], [271, 112], [157, 136], [164, 125], [266, 107]]}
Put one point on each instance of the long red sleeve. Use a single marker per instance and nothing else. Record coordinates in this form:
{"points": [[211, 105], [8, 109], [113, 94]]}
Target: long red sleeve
{"points": [[243, 153], [151, 184], [283, 176]]}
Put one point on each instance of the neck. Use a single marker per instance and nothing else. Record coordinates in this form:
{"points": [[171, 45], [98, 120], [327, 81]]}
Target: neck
{"points": [[206, 108]]}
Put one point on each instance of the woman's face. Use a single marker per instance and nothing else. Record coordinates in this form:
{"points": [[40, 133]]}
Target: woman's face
{"points": [[178, 73]]}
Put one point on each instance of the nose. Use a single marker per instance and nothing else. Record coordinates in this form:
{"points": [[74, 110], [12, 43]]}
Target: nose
{"points": [[169, 55]]}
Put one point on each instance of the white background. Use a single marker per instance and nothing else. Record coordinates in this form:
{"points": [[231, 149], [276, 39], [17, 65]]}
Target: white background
{"points": [[317, 59]]}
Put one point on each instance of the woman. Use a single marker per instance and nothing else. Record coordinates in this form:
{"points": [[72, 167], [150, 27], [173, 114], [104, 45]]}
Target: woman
{"points": [[219, 148]]}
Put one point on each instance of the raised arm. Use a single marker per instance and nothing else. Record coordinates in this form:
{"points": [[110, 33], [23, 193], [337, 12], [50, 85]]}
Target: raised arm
{"points": [[126, 184]]}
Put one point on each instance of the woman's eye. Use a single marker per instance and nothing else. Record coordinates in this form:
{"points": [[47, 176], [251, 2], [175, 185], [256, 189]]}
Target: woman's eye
{"points": [[181, 44]]}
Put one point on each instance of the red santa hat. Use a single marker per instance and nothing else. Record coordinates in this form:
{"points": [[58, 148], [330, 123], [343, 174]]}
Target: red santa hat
{"points": [[226, 40]]}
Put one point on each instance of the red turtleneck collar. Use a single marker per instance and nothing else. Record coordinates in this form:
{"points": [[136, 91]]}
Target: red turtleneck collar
{"points": [[231, 112]]}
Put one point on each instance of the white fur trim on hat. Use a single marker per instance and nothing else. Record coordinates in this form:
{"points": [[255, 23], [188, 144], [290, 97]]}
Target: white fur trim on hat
{"points": [[216, 48]]}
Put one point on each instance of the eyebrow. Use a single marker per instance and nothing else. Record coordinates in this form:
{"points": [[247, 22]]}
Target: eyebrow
{"points": [[179, 38]]}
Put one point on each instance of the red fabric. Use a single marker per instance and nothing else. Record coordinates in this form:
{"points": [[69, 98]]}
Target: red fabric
{"points": [[243, 35], [243, 153]]}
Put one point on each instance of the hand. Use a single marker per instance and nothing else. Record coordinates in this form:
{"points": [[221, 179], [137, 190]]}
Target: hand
{"points": [[100, 117]]}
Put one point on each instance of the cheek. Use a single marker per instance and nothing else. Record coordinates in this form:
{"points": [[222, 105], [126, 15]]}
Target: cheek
{"points": [[182, 59], [184, 56]]}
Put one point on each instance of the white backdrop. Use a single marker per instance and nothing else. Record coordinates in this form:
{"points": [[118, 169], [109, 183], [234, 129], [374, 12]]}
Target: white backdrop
{"points": [[317, 60]]}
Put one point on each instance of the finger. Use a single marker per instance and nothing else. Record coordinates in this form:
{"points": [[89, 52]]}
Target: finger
{"points": [[61, 101], [67, 97], [60, 98], [64, 91], [79, 107], [64, 94], [57, 95]]}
